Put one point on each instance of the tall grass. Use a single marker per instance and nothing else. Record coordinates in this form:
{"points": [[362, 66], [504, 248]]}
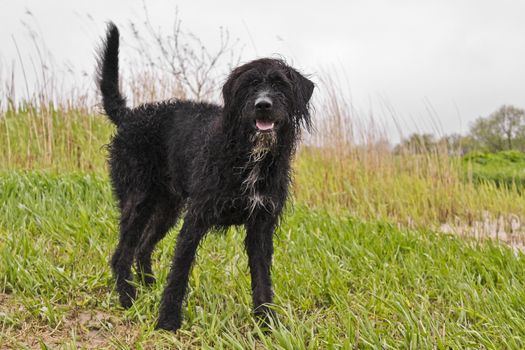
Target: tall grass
{"points": [[58, 139], [354, 168], [332, 169]]}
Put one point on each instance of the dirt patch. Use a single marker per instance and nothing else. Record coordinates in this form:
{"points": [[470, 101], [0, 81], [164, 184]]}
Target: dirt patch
{"points": [[507, 229], [81, 329]]}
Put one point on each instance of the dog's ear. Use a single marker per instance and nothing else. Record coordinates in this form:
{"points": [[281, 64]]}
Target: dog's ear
{"points": [[229, 89], [303, 89]]}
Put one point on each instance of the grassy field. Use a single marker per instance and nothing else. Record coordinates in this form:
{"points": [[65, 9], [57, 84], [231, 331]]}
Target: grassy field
{"points": [[340, 282], [360, 261]]}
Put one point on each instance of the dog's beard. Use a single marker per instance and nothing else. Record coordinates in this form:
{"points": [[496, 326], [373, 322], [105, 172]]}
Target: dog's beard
{"points": [[263, 143], [256, 199]]}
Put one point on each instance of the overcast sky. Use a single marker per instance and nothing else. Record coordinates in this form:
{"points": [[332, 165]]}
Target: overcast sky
{"points": [[462, 59]]}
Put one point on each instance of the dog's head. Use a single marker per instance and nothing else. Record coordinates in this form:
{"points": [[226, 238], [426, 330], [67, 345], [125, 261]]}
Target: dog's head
{"points": [[267, 98]]}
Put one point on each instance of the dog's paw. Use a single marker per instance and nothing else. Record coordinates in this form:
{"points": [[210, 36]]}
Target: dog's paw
{"points": [[265, 317], [171, 325], [127, 296]]}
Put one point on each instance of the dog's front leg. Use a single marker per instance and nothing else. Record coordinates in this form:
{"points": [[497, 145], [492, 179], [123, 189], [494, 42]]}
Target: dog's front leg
{"points": [[259, 246], [170, 315]]}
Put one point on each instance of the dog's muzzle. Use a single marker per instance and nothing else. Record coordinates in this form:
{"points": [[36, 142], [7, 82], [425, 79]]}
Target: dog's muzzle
{"points": [[263, 108]]}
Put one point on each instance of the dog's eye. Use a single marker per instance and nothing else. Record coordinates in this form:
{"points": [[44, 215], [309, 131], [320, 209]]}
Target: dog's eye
{"points": [[277, 81], [280, 85], [255, 81]]}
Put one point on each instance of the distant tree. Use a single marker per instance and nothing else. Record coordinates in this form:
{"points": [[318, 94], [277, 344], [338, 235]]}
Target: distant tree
{"points": [[416, 143], [453, 144], [502, 130], [457, 145]]}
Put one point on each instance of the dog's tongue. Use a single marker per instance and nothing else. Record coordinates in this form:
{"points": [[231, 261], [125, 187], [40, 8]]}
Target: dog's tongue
{"points": [[263, 125]]}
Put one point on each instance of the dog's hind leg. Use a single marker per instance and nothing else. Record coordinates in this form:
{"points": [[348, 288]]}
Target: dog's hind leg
{"points": [[166, 214], [259, 246], [136, 210], [170, 315]]}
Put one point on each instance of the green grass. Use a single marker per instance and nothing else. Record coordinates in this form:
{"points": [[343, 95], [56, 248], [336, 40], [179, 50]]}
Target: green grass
{"points": [[339, 282], [506, 168]]}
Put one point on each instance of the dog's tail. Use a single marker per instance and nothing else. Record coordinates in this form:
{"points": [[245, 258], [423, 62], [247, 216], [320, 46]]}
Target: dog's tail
{"points": [[107, 77]]}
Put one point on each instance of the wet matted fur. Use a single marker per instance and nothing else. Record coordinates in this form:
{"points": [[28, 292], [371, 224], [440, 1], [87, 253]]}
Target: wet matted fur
{"points": [[221, 166]]}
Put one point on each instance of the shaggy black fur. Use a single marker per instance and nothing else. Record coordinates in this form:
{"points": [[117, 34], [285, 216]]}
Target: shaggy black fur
{"points": [[222, 165]]}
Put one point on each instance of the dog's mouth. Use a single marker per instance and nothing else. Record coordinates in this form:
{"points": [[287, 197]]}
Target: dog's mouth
{"points": [[264, 125]]}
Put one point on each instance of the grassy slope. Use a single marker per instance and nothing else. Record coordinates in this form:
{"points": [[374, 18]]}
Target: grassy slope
{"points": [[339, 282], [506, 168]]}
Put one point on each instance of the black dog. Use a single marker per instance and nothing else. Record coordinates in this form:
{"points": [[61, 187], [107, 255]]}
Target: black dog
{"points": [[223, 165]]}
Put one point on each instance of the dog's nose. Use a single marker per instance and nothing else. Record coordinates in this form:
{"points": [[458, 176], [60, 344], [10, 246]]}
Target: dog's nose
{"points": [[263, 104]]}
